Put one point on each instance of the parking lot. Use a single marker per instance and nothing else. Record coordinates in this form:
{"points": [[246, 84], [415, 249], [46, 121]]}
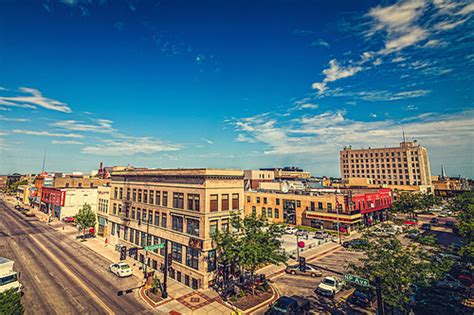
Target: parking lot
{"points": [[332, 264], [289, 242]]}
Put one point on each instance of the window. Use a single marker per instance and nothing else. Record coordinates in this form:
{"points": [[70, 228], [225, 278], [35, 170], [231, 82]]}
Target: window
{"points": [[254, 210], [118, 230], [213, 229], [235, 202], [258, 199], [278, 201], [270, 213], [298, 203], [143, 238], [329, 205], [213, 203], [192, 257], [192, 227], [164, 221], [138, 215], [312, 206], [143, 215], [248, 198], [125, 233], [150, 216], [277, 213], [133, 213], [177, 223], [164, 202], [128, 193], [115, 193], [320, 205], [177, 252], [120, 191], [157, 218], [113, 229], [152, 197], [211, 261], [264, 212], [225, 226], [139, 195], [225, 202], [134, 195], [193, 202], [114, 211], [158, 198], [132, 234], [137, 237], [178, 200], [265, 200]]}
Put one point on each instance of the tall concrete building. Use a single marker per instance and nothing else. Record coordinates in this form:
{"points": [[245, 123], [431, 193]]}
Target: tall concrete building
{"points": [[185, 207], [406, 167]]}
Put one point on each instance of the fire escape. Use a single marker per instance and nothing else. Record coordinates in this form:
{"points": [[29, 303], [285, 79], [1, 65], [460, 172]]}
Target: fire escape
{"points": [[126, 205]]}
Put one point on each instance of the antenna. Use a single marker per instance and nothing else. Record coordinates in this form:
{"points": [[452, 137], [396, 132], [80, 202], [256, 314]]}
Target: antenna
{"points": [[403, 133], [44, 160]]}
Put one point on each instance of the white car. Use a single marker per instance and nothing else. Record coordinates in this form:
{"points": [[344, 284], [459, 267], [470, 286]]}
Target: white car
{"points": [[291, 230], [121, 269], [330, 286]]}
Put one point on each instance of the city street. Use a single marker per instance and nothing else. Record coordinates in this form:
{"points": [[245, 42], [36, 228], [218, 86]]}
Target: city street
{"points": [[61, 276]]}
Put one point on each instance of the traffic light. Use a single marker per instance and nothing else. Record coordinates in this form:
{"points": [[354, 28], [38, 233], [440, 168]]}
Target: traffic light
{"points": [[132, 251], [170, 260], [123, 253]]}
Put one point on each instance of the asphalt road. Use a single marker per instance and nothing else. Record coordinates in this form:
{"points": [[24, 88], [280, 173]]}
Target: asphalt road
{"points": [[60, 275]]}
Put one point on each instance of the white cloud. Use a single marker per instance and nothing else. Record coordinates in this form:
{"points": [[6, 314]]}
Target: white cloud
{"points": [[3, 118], [389, 96], [207, 141], [47, 134], [408, 39], [333, 73], [410, 107], [5, 109], [320, 42], [373, 115], [467, 9], [130, 146], [448, 25], [66, 142], [34, 99], [101, 126]]}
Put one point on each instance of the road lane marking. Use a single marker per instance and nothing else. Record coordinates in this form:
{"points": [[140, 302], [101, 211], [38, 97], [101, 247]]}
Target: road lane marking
{"points": [[76, 278], [37, 279]]}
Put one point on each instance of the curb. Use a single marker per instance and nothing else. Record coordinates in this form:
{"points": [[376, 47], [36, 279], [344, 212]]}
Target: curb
{"points": [[274, 297], [150, 302]]}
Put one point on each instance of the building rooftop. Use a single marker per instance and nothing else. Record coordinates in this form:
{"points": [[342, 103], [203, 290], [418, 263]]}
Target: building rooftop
{"points": [[181, 171]]}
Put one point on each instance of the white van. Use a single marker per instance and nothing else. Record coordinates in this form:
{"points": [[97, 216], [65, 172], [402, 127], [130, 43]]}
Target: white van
{"points": [[8, 277]]}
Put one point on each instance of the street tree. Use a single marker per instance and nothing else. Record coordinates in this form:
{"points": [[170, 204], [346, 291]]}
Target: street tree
{"points": [[85, 219], [464, 204], [410, 203], [10, 302], [401, 269], [251, 243]]}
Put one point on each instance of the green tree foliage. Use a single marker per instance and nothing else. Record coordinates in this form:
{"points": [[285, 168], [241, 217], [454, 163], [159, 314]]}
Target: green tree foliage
{"points": [[465, 205], [14, 186], [251, 243], [409, 203], [10, 303], [85, 218], [401, 269]]}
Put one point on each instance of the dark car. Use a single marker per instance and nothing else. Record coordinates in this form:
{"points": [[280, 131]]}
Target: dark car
{"points": [[362, 297], [356, 244], [449, 224], [434, 221], [426, 226], [17, 207], [294, 305]]}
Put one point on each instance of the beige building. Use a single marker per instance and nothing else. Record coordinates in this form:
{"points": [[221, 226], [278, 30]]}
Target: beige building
{"points": [[103, 204], [253, 178], [185, 207], [406, 167]]}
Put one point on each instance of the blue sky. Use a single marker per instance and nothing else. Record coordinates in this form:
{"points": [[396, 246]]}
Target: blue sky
{"points": [[243, 84]]}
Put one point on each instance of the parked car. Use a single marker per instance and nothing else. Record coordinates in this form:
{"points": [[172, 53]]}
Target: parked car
{"points": [[362, 297], [450, 283], [410, 222], [434, 221], [321, 235], [294, 305], [330, 286], [291, 230], [121, 269], [17, 207], [302, 233], [29, 214], [426, 226], [308, 270], [358, 243], [449, 224], [69, 219], [414, 234]]}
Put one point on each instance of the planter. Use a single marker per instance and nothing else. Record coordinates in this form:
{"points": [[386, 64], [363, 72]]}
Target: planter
{"points": [[155, 297], [249, 301]]}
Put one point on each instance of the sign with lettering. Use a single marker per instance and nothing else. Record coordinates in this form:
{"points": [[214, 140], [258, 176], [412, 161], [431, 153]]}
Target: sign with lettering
{"points": [[354, 279]]}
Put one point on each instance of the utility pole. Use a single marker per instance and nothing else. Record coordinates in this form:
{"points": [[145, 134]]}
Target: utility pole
{"points": [[297, 247], [378, 287], [145, 274], [164, 293], [44, 160]]}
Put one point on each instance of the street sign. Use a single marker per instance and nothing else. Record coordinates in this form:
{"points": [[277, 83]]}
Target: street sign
{"points": [[354, 279], [301, 244], [153, 247]]}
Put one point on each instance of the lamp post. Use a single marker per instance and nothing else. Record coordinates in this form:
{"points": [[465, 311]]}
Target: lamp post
{"points": [[337, 219]]}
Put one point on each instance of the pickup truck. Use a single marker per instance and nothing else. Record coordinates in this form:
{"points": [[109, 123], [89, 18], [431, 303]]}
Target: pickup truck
{"points": [[294, 305], [330, 286]]}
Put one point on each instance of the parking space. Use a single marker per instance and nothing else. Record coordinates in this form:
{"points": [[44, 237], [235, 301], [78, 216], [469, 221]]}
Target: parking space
{"points": [[289, 242]]}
